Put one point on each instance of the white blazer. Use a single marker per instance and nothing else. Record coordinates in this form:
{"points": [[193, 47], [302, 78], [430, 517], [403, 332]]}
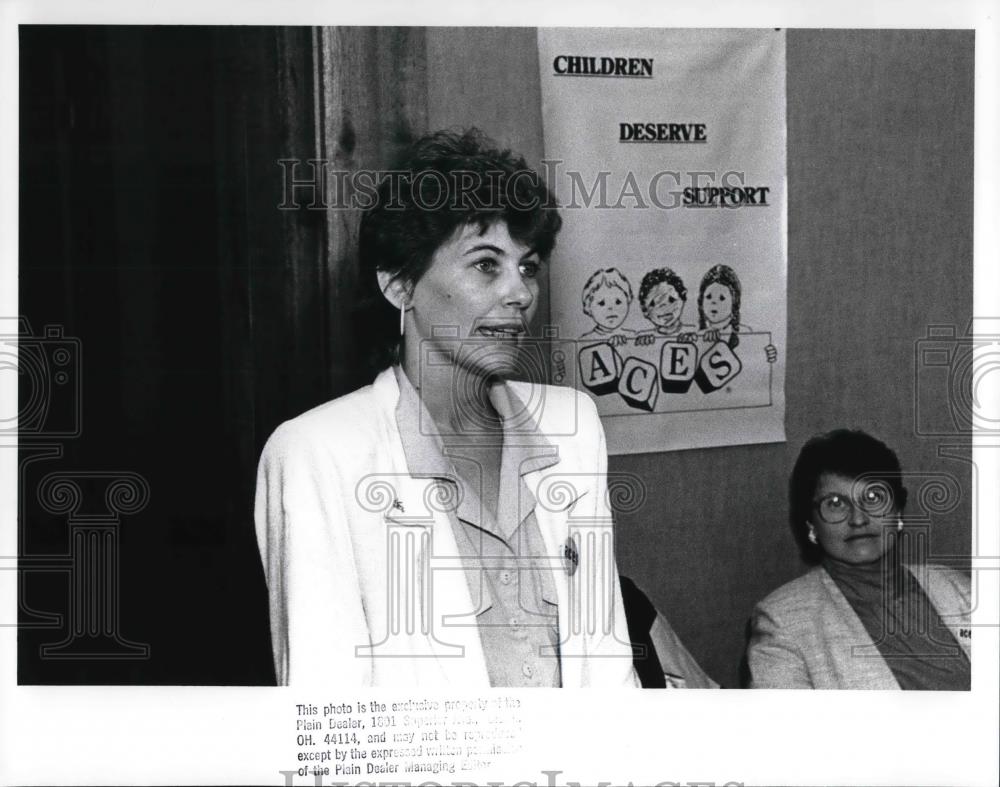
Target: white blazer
{"points": [[347, 537], [806, 635]]}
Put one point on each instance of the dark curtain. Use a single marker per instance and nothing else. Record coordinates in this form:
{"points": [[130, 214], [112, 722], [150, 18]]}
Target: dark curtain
{"points": [[195, 307]]}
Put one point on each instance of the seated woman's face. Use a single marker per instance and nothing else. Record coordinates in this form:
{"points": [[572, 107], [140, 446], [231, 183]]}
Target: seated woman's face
{"points": [[850, 518], [479, 286]]}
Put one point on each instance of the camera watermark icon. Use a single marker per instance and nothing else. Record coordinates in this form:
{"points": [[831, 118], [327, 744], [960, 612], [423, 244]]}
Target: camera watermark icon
{"points": [[49, 377], [963, 369], [472, 362]]}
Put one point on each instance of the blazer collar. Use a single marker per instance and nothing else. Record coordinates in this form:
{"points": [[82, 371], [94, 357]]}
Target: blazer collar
{"points": [[850, 639], [452, 601]]}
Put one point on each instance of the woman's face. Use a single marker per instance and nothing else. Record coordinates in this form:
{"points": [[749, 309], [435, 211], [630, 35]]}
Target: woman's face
{"points": [[850, 518], [480, 286], [664, 306], [717, 303]]}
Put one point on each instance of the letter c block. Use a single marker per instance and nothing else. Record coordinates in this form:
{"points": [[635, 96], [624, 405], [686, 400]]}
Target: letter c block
{"points": [[600, 368], [638, 384], [718, 366], [678, 363]]}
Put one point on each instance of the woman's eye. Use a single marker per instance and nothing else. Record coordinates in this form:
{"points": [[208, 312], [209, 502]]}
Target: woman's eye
{"points": [[835, 501], [601, 303], [876, 496], [618, 301], [530, 270], [487, 265]]}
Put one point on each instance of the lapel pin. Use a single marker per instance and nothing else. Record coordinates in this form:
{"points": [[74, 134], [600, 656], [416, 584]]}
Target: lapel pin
{"points": [[571, 556]]}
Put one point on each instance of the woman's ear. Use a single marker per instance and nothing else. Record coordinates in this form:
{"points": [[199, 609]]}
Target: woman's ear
{"points": [[394, 288]]}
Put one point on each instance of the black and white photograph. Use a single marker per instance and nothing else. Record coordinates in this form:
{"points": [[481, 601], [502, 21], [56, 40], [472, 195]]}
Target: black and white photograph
{"points": [[414, 398]]}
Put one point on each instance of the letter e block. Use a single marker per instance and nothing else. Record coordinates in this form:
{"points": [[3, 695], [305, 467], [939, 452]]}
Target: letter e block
{"points": [[600, 368], [678, 363], [638, 384], [718, 366]]}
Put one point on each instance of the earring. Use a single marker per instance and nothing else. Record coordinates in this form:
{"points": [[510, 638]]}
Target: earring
{"points": [[812, 535], [402, 318], [899, 524]]}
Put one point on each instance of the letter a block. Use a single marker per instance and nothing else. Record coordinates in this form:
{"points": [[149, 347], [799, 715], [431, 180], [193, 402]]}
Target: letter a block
{"points": [[718, 366], [600, 368], [638, 384], [678, 363]]}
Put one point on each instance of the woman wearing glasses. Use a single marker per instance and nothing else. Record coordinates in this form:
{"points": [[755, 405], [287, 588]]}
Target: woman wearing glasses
{"points": [[864, 617]]}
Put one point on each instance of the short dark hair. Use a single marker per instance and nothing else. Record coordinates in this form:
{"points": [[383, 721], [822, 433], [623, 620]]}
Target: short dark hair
{"points": [[851, 453], [660, 276], [440, 183]]}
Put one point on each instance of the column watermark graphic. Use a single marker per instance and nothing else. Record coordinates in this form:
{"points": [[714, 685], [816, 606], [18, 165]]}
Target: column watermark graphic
{"points": [[49, 367]]}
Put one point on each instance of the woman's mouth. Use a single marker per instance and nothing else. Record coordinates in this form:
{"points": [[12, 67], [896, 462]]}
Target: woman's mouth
{"points": [[501, 331]]}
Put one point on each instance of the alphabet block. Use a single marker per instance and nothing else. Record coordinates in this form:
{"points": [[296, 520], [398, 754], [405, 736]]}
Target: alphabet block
{"points": [[638, 384], [600, 368], [718, 366], [678, 364]]}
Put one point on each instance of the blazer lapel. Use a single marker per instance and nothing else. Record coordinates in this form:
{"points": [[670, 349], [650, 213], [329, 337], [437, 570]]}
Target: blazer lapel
{"points": [[553, 523], [855, 657], [951, 605], [442, 629]]}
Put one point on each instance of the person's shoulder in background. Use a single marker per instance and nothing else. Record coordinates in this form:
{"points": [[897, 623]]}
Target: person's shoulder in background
{"points": [[796, 598], [662, 660]]}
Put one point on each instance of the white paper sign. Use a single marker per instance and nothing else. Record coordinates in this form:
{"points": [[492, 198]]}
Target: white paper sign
{"points": [[666, 151]]}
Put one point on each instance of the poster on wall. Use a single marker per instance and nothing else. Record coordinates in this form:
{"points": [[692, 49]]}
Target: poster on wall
{"points": [[666, 151]]}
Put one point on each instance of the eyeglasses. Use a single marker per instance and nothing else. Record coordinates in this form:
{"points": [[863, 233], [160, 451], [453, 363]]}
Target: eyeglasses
{"points": [[873, 499]]}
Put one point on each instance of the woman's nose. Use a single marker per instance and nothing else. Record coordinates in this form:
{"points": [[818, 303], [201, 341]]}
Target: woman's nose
{"points": [[858, 518], [516, 291]]}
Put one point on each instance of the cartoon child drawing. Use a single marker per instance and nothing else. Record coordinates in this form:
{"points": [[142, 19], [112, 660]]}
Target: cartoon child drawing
{"points": [[719, 309], [607, 296], [662, 296]]}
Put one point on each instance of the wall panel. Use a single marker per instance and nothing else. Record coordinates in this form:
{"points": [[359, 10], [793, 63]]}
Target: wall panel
{"points": [[880, 246]]}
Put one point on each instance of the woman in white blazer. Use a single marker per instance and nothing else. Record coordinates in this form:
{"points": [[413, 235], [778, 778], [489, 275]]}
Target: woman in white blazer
{"points": [[446, 525], [874, 614]]}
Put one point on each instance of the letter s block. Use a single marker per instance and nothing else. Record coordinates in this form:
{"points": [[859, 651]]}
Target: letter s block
{"points": [[638, 384], [718, 366], [678, 363], [600, 368]]}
